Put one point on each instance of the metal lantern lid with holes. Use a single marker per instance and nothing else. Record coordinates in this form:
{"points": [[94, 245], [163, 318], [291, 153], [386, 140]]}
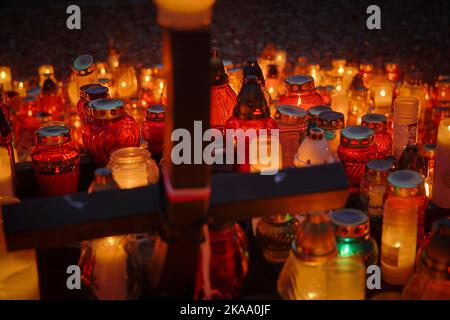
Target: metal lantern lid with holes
{"points": [[350, 223], [299, 83], [374, 121], [84, 65], [83, 89], [251, 103], [252, 68], [406, 183], [107, 109], [96, 91], [378, 170], [314, 112], [331, 120], [218, 73], [53, 134], [357, 137], [156, 113], [290, 114]]}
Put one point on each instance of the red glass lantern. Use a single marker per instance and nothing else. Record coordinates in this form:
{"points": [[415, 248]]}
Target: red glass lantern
{"points": [[383, 140], [223, 98], [251, 112], [356, 149], [110, 129], [153, 130], [229, 261], [83, 101], [56, 160], [301, 92]]}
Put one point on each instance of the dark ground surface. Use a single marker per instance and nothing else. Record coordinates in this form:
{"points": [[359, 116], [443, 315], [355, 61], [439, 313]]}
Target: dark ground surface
{"points": [[34, 31]]}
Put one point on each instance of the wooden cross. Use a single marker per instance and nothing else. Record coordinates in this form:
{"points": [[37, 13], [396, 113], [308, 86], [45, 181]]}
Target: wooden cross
{"points": [[187, 195]]}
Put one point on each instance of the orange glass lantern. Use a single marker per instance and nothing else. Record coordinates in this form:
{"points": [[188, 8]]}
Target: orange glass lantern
{"points": [[301, 92]]}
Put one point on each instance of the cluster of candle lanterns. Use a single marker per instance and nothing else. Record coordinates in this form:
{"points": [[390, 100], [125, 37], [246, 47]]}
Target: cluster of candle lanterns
{"points": [[391, 133]]}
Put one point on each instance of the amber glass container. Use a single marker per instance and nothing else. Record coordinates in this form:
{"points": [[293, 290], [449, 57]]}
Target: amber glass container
{"points": [[223, 98], [56, 160], [301, 92], [356, 149], [303, 276], [291, 122], [431, 281], [383, 140], [360, 104], [403, 213], [153, 130], [85, 71], [110, 129], [275, 235], [374, 186]]}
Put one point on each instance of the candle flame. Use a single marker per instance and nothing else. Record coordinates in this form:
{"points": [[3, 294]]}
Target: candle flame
{"points": [[123, 84], [338, 87], [161, 85], [427, 189], [102, 71], [20, 84], [341, 70], [3, 75], [147, 78], [383, 93]]}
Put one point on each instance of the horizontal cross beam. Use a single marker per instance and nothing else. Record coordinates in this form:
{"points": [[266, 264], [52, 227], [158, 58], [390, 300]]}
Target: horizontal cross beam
{"points": [[54, 221]]}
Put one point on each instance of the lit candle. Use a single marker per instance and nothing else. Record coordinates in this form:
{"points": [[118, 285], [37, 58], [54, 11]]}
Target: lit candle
{"points": [[441, 178], [18, 269], [127, 84], [6, 181], [5, 77], [346, 279], [111, 274], [184, 14], [382, 93], [399, 232], [314, 71], [145, 78], [280, 59], [46, 71]]}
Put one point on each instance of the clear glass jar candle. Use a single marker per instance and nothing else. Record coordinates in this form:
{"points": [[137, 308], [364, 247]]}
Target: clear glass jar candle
{"points": [[332, 123], [291, 122], [383, 140], [399, 232], [360, 104], [133, 167], [374, 186], [126, 81], [352, 230], [301, 92], [346, 279], [405, 124], [357, 147]]}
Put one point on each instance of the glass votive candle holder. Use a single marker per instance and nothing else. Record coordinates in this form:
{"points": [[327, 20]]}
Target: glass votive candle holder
{"points": [[346, 279]]}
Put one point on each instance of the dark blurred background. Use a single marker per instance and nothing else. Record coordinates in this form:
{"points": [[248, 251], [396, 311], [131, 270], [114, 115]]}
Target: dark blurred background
{"points": [[34, 32]]}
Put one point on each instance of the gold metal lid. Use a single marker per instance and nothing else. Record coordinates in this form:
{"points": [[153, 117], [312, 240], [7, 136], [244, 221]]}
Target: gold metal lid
{"points": [[53, 134], [107, 109], [97, 91], [379, 170], [290, 114], [374, 121], [357, 137], [406, 183], [156, 113], [350, 223], [331, 120], [83, 89], [299, 83], [314, 112], [84, 65]]}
